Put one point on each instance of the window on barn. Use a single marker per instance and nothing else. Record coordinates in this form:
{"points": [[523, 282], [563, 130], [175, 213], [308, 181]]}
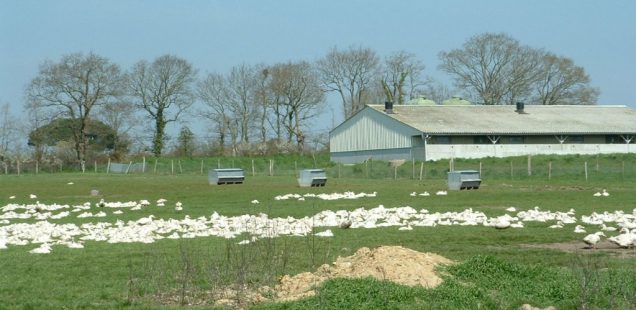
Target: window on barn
{"points": [[614, 139], [516, 140], [481, 140], [575, 139], [442, 140]]}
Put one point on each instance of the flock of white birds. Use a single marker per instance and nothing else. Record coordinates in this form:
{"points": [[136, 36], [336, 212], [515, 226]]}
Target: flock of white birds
{"points": [[34, 223]]}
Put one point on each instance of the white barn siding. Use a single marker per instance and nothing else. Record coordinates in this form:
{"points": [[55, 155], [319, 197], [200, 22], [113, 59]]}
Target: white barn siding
{"points": [[371, 130], [441, 151]]}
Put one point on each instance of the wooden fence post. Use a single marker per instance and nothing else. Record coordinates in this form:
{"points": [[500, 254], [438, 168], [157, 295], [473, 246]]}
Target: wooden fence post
{"points": [[480, 173], [597, 168], [512, 174], [202, 167], [413, 167], [18, 165], [529, 165], [421, 170], [37, 167], [586, 171], [623, 169], [155, 168], [180, 168], [108, 166], [143, 166], [172, 166], [253, 170], [549, 170]]}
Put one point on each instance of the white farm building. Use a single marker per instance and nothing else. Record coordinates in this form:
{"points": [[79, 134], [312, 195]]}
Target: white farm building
{"points": [[432, 132]]}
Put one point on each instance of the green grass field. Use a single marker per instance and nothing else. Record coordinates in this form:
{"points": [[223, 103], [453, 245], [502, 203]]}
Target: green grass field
{"points": [[497, 269]]}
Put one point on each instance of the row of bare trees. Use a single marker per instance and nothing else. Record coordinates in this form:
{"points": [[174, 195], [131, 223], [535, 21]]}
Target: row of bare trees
{"points": [[256, 104], [497, 69]]}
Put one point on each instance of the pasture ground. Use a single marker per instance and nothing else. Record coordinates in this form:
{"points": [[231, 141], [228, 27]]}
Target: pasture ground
{"points": [[497, 269]]}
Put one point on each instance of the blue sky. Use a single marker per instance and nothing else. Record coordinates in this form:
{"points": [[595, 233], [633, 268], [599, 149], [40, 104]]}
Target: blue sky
{"points": [[216, 35]]}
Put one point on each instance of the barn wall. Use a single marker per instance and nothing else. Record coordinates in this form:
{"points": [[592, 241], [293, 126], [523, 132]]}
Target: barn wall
{"points": [[435, 152], [370, 130], [355, 157]]}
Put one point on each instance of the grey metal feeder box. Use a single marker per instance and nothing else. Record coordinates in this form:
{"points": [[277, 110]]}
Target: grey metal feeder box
{"points": [[464, 179], [312, 178], [226, 176]]}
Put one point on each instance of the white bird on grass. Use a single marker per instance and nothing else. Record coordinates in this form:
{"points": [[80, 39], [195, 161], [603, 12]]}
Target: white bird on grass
{"points": [[425, 194], [593, 239], [326, 233], [559, 224], [579, 229], [413, 194], [625, 240], [511, 209], [70, 183], [501, 223], [441, 193], [44, 248], [178, 206], [12, 197], [607, 228], [597, 194], [605, 193], [33, 196], [255, 202]]}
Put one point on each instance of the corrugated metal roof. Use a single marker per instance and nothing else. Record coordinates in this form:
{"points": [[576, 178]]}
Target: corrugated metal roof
{"points": [[537, 119]]}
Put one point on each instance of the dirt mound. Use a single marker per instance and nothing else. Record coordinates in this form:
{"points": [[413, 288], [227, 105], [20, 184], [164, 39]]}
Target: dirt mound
{"points": [[391, 263]]}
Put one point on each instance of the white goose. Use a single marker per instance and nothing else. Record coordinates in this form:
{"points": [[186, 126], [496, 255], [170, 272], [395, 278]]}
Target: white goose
{"points": [[579, 229], [593, 239], [625, 240], [326, 233], [44, 248]]}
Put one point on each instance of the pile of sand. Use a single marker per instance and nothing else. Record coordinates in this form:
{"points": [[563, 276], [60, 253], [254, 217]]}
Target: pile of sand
{"points": [[391, 263]]}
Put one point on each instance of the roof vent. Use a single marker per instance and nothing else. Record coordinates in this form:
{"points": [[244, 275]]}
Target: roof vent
{"points": [[520, 106], [388, 107]]}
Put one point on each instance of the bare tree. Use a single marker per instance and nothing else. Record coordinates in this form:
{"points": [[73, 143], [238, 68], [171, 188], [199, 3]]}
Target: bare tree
{"points": [[264, 100], [522, 74], [482, 65], [163, 90], [350, 74], [212, 91], [234, 101], [401, 76], [562, 82], [122, 118], [242, 85], [72, 88], [297, 87], [436, 91], [9, 130]]}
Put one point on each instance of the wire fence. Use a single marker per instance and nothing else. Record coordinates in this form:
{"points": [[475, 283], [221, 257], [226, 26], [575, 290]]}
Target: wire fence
{"points": [[622, 166]]}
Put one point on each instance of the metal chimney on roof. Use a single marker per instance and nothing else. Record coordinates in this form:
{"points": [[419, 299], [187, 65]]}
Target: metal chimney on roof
{"points": [[388, 107], [520, 108]]}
